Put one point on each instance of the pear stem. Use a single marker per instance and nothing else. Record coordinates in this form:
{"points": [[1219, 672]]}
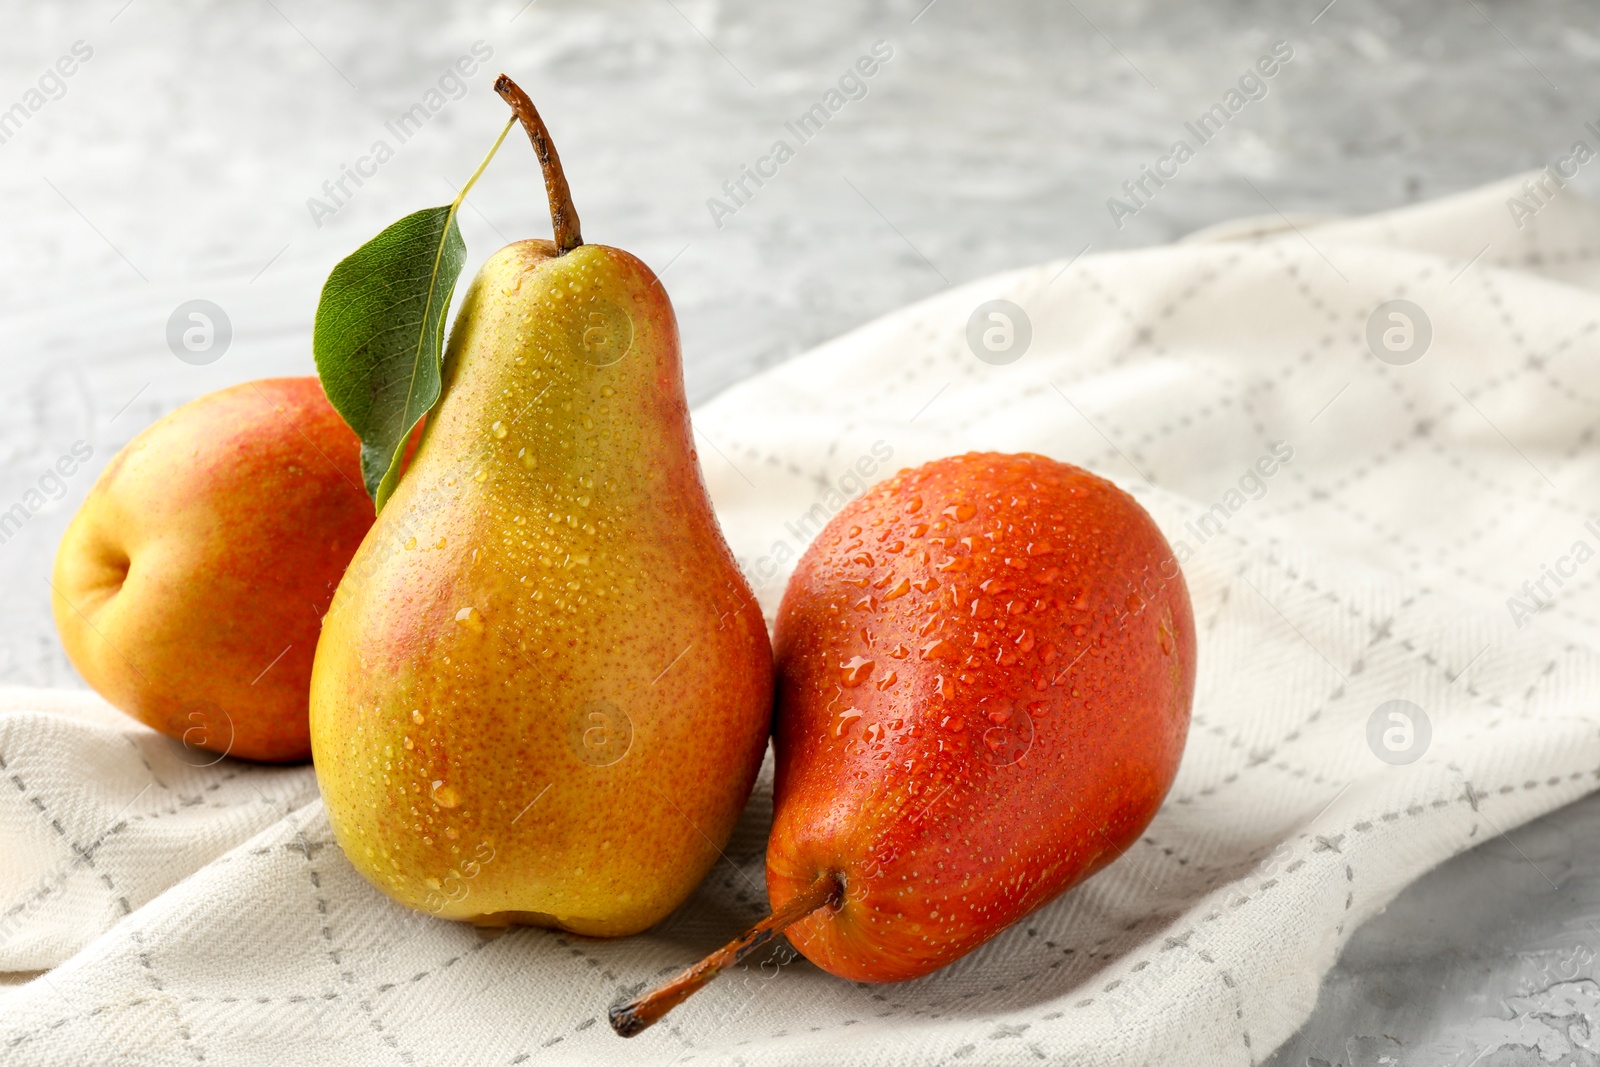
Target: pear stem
{"points": [[563, 216], [644, 1011]]}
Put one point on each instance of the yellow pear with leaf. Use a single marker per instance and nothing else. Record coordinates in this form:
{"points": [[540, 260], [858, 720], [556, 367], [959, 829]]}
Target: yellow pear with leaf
{"points": [[543, 689]]}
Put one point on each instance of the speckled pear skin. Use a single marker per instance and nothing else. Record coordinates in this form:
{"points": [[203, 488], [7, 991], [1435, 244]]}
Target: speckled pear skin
{"points": [[985, 672], [543, 690]]}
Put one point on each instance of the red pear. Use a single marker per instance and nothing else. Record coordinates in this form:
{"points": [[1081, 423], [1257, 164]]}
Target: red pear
{"points": [[985, 672], [986, 666]]}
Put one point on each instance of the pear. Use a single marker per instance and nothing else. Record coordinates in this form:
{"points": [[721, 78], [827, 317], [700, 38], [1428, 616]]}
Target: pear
{"points": [[985, 666], [543, 689], [988, 662], [185, 588]]}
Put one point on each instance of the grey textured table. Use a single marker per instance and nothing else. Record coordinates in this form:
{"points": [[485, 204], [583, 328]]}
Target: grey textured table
{"points": [[180, 159]]}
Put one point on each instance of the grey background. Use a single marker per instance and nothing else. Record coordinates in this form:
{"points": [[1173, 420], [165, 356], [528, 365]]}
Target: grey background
{"points": [[178, 163]]}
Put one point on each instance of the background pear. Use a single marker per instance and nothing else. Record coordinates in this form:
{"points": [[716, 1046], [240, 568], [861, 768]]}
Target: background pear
{"points": [[543, 690], [187, 588]]}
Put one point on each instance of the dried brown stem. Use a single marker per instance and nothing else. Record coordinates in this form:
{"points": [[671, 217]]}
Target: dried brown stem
{"points": [[643, 1011], [563, 216]]}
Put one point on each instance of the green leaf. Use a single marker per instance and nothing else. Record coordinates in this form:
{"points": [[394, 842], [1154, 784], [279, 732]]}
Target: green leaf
{"points": [[380, 331]]}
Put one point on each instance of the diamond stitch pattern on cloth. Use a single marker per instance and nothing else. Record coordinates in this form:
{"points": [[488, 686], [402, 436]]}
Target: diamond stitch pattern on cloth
{"points": [[184, 913]]}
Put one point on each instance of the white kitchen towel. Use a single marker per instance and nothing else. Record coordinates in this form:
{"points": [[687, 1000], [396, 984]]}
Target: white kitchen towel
{"points": [[1387, 513]]}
